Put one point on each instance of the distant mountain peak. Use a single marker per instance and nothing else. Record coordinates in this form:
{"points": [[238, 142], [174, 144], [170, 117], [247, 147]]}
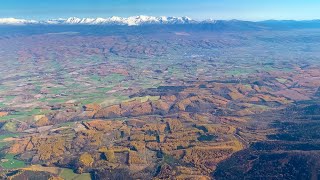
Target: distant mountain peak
{"points": [[130, 21], [14, 21]]}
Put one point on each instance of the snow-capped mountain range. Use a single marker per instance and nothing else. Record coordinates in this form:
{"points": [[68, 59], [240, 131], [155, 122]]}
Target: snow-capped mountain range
{"points": [[130, 21]]}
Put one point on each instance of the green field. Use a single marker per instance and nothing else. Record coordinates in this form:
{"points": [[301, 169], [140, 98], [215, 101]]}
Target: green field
{"points": [[9, 162], [68, 174]]}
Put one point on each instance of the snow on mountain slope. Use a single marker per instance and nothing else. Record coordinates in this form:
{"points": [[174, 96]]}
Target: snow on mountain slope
{"points": [[13, 21], [130, 21]]}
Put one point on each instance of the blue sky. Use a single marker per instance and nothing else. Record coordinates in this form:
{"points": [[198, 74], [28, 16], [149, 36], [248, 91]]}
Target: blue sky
{"points": [[197, 9]]}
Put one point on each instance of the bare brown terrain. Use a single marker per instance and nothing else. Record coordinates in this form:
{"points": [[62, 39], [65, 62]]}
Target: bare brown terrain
{"points": [[186, 105]]}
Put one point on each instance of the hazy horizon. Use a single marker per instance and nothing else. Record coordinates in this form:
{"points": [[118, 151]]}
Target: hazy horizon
{"points": [[206, 9], [196, 19]]}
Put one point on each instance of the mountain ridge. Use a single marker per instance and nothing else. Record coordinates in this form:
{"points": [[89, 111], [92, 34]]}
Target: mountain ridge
{"points": [[208, 24], [114, 20]]}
